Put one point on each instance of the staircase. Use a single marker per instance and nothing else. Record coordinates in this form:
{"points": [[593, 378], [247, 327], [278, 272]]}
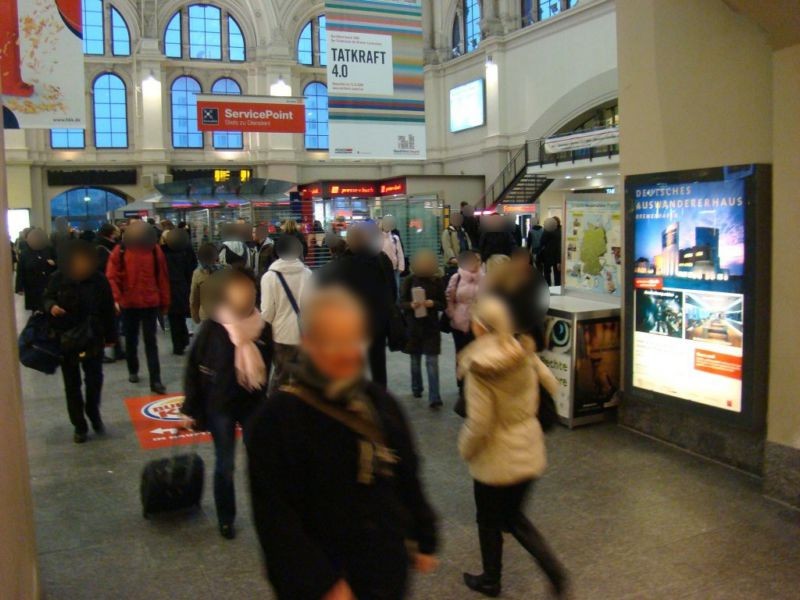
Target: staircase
{"points": [[514, 185]]}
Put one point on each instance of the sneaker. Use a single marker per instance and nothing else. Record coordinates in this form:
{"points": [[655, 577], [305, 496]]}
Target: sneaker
{"points": [[158, 388], [80, 438], [480, 584], [133, 378], [227, 531]]}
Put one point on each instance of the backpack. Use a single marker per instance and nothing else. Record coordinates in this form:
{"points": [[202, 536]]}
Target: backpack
{"points": [[39, 349]]}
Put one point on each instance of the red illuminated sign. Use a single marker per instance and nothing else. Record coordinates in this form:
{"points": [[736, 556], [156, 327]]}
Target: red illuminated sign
{"points": [[267, 115], [393, 187], [354, 189]]}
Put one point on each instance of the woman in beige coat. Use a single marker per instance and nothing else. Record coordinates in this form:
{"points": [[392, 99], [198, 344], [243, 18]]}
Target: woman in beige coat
{"points": [[503, 442]]}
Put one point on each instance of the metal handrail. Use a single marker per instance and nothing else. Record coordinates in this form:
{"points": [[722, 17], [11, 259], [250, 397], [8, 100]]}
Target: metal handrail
{"points": [[533, 152]]}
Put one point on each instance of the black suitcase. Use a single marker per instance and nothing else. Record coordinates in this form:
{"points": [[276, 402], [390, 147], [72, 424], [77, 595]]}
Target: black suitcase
{"points": [[172, 484]]}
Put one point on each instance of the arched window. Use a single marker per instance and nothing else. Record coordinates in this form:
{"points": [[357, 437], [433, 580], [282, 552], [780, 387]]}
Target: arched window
{"points": [[86, 208], [173, 40], [184, 113], [236, 45], [110, 112], [225, 140], [120, 35], [316, 95], [312, 45], [213, 34], [67, 139], [95, 27]]}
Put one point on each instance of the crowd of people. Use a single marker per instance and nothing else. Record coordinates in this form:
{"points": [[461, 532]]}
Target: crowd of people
{"points": [[298, 360]]}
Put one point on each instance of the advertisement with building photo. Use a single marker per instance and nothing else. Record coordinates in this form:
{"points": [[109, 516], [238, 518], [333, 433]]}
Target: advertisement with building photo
{"points": [[689, 247]]}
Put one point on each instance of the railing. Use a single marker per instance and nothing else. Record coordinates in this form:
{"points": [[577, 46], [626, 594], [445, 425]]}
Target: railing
{"points": [[533, 152]]}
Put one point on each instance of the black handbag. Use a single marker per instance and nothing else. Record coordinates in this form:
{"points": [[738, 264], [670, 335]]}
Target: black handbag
{"points": [[547, 415], [398, 330], [38, 347]]}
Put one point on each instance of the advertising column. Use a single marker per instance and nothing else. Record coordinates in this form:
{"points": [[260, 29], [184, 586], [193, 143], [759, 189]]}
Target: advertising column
{"points": [[375, 79], [41, 64]]}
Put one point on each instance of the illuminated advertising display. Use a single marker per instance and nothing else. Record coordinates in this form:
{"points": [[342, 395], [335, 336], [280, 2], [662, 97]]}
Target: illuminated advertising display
{"points": [[467, 106], [693, 286]]}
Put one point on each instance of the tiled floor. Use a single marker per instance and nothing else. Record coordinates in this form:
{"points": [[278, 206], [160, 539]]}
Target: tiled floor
{"points": [[631, 518]]}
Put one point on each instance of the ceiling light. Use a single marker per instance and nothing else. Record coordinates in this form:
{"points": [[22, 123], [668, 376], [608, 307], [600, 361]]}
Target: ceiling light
{"points": [[588, 177], [568, 177]]}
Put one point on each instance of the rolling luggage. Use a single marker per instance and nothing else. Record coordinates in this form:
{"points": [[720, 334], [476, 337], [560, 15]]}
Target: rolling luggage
{"points": [[172, 484]]}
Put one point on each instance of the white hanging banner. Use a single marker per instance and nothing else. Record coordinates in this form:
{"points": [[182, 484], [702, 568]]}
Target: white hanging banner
{"points": [[582, 140]]}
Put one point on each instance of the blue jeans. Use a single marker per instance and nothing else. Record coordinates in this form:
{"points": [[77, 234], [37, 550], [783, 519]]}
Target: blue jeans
{"points": [[222, 426], [432, 366]]}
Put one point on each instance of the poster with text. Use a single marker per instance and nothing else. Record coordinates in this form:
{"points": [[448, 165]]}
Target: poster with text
{"points": [[41, 64], [376, 95], [593, 232], [689, 291]]}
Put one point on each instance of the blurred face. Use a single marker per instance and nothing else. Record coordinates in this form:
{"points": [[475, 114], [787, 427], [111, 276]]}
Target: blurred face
{"points": [[240, 297], [470, 263], [335, 342], [425, 264], [36, 239], [456, 220], [520, 262], [81, 266]]}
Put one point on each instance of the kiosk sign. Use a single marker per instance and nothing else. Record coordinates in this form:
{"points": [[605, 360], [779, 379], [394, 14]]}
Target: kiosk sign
{"points": [[249, 113]]}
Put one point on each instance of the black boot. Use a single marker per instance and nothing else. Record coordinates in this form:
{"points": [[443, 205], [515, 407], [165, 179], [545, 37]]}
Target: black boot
{"points": [[488, 582], [529, 538]]}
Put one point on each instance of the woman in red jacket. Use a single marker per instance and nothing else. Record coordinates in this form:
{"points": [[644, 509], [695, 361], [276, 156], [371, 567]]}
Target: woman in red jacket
{"points": [[137, 272]]}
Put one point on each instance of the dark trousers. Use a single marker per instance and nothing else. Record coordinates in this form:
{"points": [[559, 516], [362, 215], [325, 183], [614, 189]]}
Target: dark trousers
{"points": [[179, 333], [499, 509], [145, 319], [377, 360], [461, 339], [93, 380], [222, 426], [552, 274]]}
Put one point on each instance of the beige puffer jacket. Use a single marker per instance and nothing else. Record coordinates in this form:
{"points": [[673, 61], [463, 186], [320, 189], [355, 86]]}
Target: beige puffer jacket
{"points": [[501, 439]]}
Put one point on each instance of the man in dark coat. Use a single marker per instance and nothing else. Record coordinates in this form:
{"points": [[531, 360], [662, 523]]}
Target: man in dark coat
{"points": [[181, 263], [36, 264], [81, 306], [496, 238], [472, 224], [337, 501], [550, 251], [107, 239], [367, 273]]}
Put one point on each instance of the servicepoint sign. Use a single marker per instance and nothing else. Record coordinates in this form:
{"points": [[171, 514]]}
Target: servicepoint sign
{"points": [[264, 114]]}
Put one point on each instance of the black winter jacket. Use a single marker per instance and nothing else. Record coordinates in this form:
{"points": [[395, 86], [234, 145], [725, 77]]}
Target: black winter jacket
{"points": [[181, 264], [424, 336], [496, 242], [33, 273], [370, 278], [210, 379], [316, 523], [105, 247], [83, 300]]}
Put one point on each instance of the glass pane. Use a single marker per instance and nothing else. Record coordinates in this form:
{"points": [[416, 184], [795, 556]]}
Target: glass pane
{"points": [[120, 36], [236, 45], [205, 33], [110, 112], [184, 113], [316, 95], [305, 49], [323, 41], [93, 34], [227, 140], [548, 8], [472, 24], [172, 37]]}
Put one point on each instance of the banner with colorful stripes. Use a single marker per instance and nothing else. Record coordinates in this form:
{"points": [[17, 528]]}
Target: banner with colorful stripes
{"points": [[376, 83]]}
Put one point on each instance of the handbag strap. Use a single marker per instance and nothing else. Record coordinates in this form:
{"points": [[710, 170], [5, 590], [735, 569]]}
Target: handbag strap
{"points": [[289, 293], [361, 426]]}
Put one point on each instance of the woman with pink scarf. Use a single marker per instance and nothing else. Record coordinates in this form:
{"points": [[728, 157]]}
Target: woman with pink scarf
{"points": [[226, 376]]}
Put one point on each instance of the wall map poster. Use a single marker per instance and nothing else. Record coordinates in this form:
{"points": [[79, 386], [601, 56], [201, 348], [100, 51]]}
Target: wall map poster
{"points": [[689, 290], [593, 232], [376, 88]]}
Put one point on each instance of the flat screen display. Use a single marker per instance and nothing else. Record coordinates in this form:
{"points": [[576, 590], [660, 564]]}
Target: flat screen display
{"points": [[467, 106], [693, 286]]}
